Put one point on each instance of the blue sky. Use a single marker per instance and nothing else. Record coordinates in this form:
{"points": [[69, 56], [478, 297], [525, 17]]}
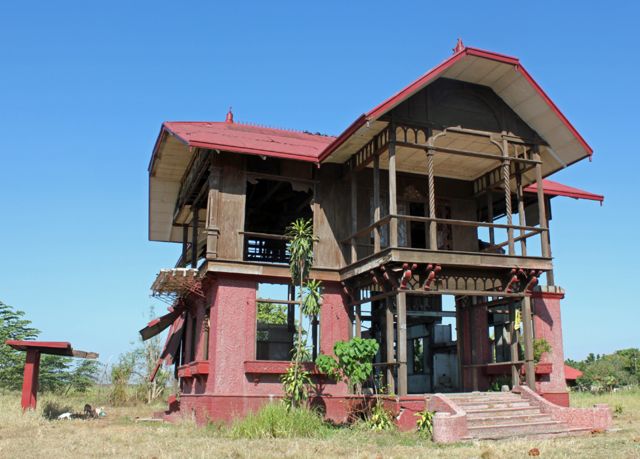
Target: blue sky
{"points": [[84, 87]]}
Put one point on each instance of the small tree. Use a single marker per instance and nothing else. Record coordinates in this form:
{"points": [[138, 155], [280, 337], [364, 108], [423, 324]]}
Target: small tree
{"points": [[57, 373], [297, 380], [13, 326]]}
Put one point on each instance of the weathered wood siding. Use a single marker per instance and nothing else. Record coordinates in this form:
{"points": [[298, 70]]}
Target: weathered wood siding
{"points": [[448, 102], [331, 216], [232, 207]]}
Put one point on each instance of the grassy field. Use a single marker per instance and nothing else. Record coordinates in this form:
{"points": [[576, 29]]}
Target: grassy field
{"points": [[119, 435]]}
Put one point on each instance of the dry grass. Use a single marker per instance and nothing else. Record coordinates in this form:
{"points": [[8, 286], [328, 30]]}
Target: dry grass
{"points": [[118, 435]]}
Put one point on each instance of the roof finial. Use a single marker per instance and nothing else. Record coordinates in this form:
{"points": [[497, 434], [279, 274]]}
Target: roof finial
{"points": [[459, 46], [229, 118]]}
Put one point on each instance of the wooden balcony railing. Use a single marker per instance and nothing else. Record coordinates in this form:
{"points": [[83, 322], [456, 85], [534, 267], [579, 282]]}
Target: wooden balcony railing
{"points": [[525, 232], [265, 248]]}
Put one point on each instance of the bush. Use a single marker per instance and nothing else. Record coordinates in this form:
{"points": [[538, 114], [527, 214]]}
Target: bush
{"points": [[52, 409], [275, 420]]}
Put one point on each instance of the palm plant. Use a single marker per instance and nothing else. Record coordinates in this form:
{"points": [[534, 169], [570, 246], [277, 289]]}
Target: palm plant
{"points": [[300, 233]]}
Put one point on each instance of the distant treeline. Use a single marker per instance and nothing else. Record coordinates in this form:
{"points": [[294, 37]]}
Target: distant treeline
{"points": [[608, 371]]}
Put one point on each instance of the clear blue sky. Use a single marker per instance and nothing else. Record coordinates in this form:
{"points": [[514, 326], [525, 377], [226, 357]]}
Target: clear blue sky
{"points": [[84, 87]]}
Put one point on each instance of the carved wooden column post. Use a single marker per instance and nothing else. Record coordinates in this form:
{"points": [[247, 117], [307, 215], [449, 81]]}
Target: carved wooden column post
{"points": [[522, 219], [506, 181], [376, 203], [389, 344], [431, 191], [401, 310], [393, 203], [212, 228], [492, 232]]}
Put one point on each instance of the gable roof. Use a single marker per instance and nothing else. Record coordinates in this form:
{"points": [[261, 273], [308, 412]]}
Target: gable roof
{"points": [[249, 139], [508, 78]]}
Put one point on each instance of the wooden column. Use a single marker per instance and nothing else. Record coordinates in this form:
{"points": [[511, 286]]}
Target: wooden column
{"points": [[527, 331], [211, 225], [185, 244], [389, 344], [376, 203], [492, 233], [471, 311], [356, 313], [314, 338], [433, 227], [194, 238], [393, 203], [354, 215], [506, 182], [401, 311], [459, 343], [513, 346], [542, 210], [522, 218], [30, 381]]}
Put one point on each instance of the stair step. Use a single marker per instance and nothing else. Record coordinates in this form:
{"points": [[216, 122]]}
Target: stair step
{"points": [[494, 405], [508, 420], [499, 412], [509, 430], [487, 400]]}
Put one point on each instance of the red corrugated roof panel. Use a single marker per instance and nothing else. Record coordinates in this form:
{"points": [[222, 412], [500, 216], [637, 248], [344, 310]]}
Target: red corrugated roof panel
{"points": [[246, 138], [552, 188]]}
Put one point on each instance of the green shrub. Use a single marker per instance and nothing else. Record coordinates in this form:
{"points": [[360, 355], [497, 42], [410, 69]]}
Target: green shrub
{"points": [[275, 420], [540, 346], [51, 409], [353, 361], [425, 424]]}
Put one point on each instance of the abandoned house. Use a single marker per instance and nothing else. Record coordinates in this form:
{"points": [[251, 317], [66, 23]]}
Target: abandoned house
{"points": [[431, 214]]}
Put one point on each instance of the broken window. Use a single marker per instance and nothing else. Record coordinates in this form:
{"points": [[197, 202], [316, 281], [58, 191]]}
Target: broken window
{"points": [[275, 314], [271, 205]]}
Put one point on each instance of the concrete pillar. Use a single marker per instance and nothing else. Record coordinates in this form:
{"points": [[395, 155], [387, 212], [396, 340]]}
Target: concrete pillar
{"points": [[547, 324]]}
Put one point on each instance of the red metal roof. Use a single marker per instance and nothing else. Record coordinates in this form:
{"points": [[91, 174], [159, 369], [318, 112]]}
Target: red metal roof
{"points": [[571, 373], [412, 88], [246, 138], [552, 188]]}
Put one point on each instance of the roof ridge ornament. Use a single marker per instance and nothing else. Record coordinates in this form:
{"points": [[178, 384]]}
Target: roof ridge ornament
{"points": [[459, 46], [229, 118]]}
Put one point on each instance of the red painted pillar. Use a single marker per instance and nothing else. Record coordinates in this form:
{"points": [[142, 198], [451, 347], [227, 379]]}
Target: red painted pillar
{"points": [[30, 381], [547, 324]]}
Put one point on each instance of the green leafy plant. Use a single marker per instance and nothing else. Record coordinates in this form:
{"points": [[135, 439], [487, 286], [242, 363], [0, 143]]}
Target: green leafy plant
{"points": [[352, 362], [295, 384], [425, 423], [618, 409], [540, 346], [379, 418], [296, 381]]}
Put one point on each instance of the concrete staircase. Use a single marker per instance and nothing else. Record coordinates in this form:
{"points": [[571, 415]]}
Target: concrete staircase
{"points": [[494, 415]]}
